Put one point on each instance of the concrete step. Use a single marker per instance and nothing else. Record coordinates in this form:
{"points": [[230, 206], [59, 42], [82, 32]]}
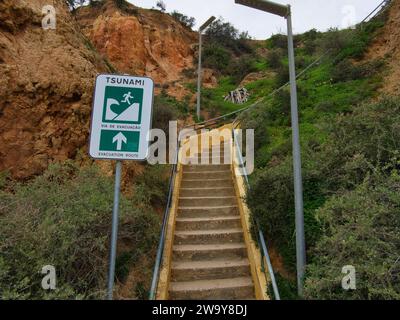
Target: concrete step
{"points": [[207, 161], [207, 270], [207, 175], [207, 211], [208, 223], [200, 149], [206, 201], [200, 168], [222, 289], [206, 183], [196, 252], [218, 236], [210, 155], [207, 192], [214, 152]]}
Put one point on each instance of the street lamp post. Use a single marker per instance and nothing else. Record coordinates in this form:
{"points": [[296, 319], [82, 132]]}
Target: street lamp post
{"points": [[285, 11], [201, 29]]}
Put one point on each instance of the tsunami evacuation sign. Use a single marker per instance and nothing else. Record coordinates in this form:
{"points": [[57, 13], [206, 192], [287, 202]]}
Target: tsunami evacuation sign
{"points": [[121, 117]]}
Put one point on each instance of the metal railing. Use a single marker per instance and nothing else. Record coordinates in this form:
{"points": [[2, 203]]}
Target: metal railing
{"points": [[382, 6], [217, 121], [260, 236], [160, 250]]}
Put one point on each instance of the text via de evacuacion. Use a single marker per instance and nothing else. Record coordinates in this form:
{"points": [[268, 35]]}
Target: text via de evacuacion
{"points": [[120, 126]]}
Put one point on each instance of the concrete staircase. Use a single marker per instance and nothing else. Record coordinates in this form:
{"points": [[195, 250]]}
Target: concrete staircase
{"points": [[209, 258]]}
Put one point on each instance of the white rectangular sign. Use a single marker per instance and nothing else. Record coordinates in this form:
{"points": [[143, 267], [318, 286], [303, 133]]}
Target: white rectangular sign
{"points": [[121, 117]]}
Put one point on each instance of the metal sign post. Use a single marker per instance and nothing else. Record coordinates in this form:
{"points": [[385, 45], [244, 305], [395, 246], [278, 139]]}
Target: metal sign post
{"points": [[114, 231], [120, 127]]}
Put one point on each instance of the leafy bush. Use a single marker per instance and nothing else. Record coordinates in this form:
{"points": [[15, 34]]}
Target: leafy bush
{"points": [[271, 200], [347, 71], [239, 68], [278, 41], [310, 41], [166, 109], [63, 218], [257, 121], [351, 43], [287, 288], [274, 58], [336, 40], [152, 186], [355, 145], [362, 229], [282, 75], [226, 35], [344, 141], [126, 7], [216, 57], [186, 21], [279, 110], [359, 142]]}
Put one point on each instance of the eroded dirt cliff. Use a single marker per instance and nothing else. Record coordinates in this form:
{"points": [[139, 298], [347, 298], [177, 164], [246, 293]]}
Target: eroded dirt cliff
{"points": [[46, 87], [141, 42], [47, 77], [387, 45]]}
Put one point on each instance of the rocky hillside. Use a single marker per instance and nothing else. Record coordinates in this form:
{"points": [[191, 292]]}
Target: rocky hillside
{"points": [[48, 75], [45, 88], [142, 42]]}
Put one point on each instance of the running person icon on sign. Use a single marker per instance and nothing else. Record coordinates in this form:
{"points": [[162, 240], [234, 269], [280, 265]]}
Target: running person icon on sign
{"points": [[127, 97]]}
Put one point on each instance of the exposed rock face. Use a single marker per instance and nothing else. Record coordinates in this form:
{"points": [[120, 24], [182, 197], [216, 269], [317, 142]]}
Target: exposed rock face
{"points": [[139, 41], [46, 87], [209, 78], [47, 78]]}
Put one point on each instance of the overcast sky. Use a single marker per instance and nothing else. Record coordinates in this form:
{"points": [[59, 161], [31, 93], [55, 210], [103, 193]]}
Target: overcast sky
{"points": [[307, 14]]}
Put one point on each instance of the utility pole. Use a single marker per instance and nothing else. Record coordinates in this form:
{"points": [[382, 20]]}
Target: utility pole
{"points": [[285, 12]]}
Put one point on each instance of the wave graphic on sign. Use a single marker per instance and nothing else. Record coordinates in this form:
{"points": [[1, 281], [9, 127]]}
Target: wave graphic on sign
{"points": [[130, 114]]}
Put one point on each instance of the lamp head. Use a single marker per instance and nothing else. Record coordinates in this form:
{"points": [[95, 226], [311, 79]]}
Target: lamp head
{"points": [[267, 6]]}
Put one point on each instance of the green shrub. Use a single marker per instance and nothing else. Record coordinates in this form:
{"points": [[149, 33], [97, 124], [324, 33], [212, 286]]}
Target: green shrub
{"points": [[287, 288], [186, 21], [166, 109], [278, 41], [226, 35], [355, 145], [347, 71], [153, 185], [274, 58], [359, 142], [362, 229], [4, 177], [310, 41], [256, 120], [126, 7], [279, 110], [282, 75], [63, 218], [271, 201], [352, 43], [336, 40], [239, 68], [216, 57]]}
